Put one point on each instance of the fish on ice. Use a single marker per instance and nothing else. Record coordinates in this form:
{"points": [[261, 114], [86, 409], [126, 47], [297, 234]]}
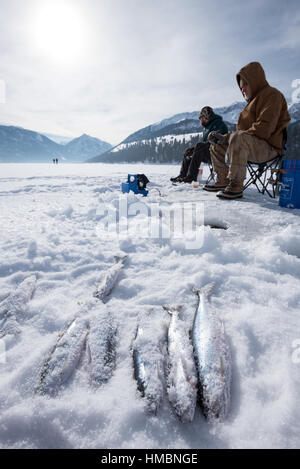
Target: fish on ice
{"points": [[64, 357], [181, 371], [213, 358], [13, 308], [101, 345], [148, 363], [110, 279]]}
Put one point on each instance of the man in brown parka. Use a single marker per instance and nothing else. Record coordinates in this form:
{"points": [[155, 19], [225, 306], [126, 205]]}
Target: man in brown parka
{"points": [[259, 134]]}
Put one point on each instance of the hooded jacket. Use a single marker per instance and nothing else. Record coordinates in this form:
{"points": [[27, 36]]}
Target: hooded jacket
{"points": [[266, 114], [215, 123]]}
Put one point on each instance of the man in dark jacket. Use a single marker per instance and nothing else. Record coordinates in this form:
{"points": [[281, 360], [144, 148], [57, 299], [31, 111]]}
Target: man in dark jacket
{"points": [[193, 157]]}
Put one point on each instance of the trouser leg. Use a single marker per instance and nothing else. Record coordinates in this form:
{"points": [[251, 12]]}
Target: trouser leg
{"points": [[201, 155], [245, 147], [185, 166], [217, 153]]}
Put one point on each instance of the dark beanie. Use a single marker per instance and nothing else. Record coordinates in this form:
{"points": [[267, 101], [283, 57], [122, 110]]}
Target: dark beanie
{"points": [[206, 112]]}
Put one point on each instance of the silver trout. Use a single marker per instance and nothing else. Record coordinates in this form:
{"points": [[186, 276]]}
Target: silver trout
{"points": [[148, 369], [13, 308], [101, 346], [64, 357], [213, 359], [182, 373], [109, 280]]}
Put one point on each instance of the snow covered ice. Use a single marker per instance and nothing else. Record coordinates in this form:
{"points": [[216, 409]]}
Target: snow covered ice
{"points": [[49, 217]]}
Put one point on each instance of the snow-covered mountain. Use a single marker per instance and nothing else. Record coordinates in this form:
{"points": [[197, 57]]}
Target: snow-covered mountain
{"points": [[165, 141], [293, 143], [231, 113], [58, 138], [294, 110], [83, 147], [187, 121], [18, 145]]}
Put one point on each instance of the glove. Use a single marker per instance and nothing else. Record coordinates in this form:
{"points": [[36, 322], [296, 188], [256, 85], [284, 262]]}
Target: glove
{"points": [[216, 138], [189, 152]]}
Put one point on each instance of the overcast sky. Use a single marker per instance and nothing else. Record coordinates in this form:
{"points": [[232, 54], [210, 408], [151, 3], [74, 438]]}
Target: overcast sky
{"points": [[110, 67]]}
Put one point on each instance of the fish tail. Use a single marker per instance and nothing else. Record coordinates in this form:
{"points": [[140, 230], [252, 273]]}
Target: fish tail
{"points": [[173, 310], [121, 259], [206, 291], [169, 310]]}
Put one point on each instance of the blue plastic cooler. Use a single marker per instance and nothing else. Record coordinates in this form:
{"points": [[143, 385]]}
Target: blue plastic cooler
{"points": [[133, 185], [290, 188]]}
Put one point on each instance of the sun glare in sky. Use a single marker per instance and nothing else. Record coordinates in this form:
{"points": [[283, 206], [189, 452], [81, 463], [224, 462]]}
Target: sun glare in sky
{"points": [[59, 31]]}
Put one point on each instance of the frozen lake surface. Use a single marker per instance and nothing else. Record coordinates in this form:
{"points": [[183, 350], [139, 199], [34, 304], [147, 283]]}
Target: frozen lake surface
{"points": [[52, 226]]}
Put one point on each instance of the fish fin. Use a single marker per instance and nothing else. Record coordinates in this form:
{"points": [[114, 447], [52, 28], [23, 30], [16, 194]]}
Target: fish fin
{"points": [[173, 309], [168, 309], [33, 278], [88, 351], [121, 258], [138, 331], [99, 295], [146, 314], [207, 290], [222, 368]]}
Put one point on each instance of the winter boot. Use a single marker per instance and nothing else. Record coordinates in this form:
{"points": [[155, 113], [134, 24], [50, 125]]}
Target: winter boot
{"points": [[177, 179], [222, 183], [234, 190], [189, 179]]}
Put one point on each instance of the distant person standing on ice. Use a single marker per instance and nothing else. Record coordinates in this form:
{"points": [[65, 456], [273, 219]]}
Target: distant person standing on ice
{"points": [[259, 134], [56, 161], [193, 157]]}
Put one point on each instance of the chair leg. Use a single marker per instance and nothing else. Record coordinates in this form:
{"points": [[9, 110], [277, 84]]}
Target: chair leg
{"points": [[259, 177], [211, 177]]}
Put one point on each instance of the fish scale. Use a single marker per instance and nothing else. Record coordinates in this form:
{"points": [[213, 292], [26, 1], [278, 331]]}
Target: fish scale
{"points": [[213, 360], [102, 341], [97, 333], [110, 279], [182, 374], [148, 368], [15, 305], [64, 357]]}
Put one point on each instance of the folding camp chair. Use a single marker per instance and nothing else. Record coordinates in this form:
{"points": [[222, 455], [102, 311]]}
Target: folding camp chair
{"points": [[259, 173], [211, 176]]}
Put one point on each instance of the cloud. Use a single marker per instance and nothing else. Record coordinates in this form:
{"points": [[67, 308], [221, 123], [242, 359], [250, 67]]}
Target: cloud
{"points": [[290, 32], [143, 61]]}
